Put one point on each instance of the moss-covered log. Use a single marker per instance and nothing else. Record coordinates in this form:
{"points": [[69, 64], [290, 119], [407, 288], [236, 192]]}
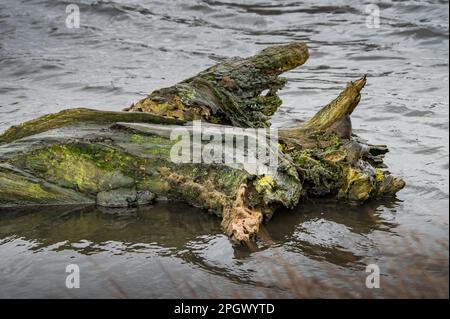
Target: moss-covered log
{"points": [[332, 160], [229, 92], [128, 164], [125, 158]]}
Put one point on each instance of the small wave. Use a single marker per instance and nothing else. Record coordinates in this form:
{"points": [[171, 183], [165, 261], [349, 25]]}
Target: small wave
{"points": [[421, 33]]}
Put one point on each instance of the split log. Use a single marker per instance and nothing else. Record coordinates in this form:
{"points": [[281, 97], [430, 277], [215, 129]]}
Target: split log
{"points": [[124, 158]]}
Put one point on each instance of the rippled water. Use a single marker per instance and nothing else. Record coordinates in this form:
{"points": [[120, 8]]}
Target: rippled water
{"points": [[124, 49]]}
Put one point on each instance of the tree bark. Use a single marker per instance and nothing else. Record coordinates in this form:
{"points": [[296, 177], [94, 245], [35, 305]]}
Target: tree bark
{"points": [[229, 92], [118, 159]]}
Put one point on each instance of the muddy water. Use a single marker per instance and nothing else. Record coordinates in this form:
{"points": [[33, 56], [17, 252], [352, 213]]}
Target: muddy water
{"points": [[124, 49]]}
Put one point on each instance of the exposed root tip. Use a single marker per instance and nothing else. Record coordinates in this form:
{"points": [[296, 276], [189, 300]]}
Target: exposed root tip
{"points": [[360, 83]]}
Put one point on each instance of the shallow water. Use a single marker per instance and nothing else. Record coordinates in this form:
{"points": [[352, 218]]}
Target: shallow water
{"points": [[125, 49]]}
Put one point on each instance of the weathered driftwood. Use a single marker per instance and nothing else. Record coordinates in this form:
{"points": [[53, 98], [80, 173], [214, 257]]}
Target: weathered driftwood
{"points": [[127, 164], [123, 158], [229, 92]]}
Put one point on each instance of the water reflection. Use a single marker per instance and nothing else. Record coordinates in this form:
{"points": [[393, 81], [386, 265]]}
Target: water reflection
{"points": [[320, 230], [329, 231], [170, 225]]}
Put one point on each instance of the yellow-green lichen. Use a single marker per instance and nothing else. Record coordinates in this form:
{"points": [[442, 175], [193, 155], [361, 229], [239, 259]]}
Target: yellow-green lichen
{"points": [[20, 188], [357, 187], [379, 175], [266, 182], [137, 138], [16, 189]]}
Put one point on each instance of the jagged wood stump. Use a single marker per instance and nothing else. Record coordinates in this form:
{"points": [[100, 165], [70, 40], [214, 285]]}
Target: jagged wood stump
{"points": [[114, 159]]}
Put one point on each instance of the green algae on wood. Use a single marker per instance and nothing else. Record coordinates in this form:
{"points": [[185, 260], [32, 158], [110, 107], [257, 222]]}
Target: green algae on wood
{"points": [[115, 164], [18, 188]]}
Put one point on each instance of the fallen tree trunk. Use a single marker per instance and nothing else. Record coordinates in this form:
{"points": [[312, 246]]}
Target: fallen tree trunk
{"points": [[229, 92], [127, 158], [128, 164]]}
